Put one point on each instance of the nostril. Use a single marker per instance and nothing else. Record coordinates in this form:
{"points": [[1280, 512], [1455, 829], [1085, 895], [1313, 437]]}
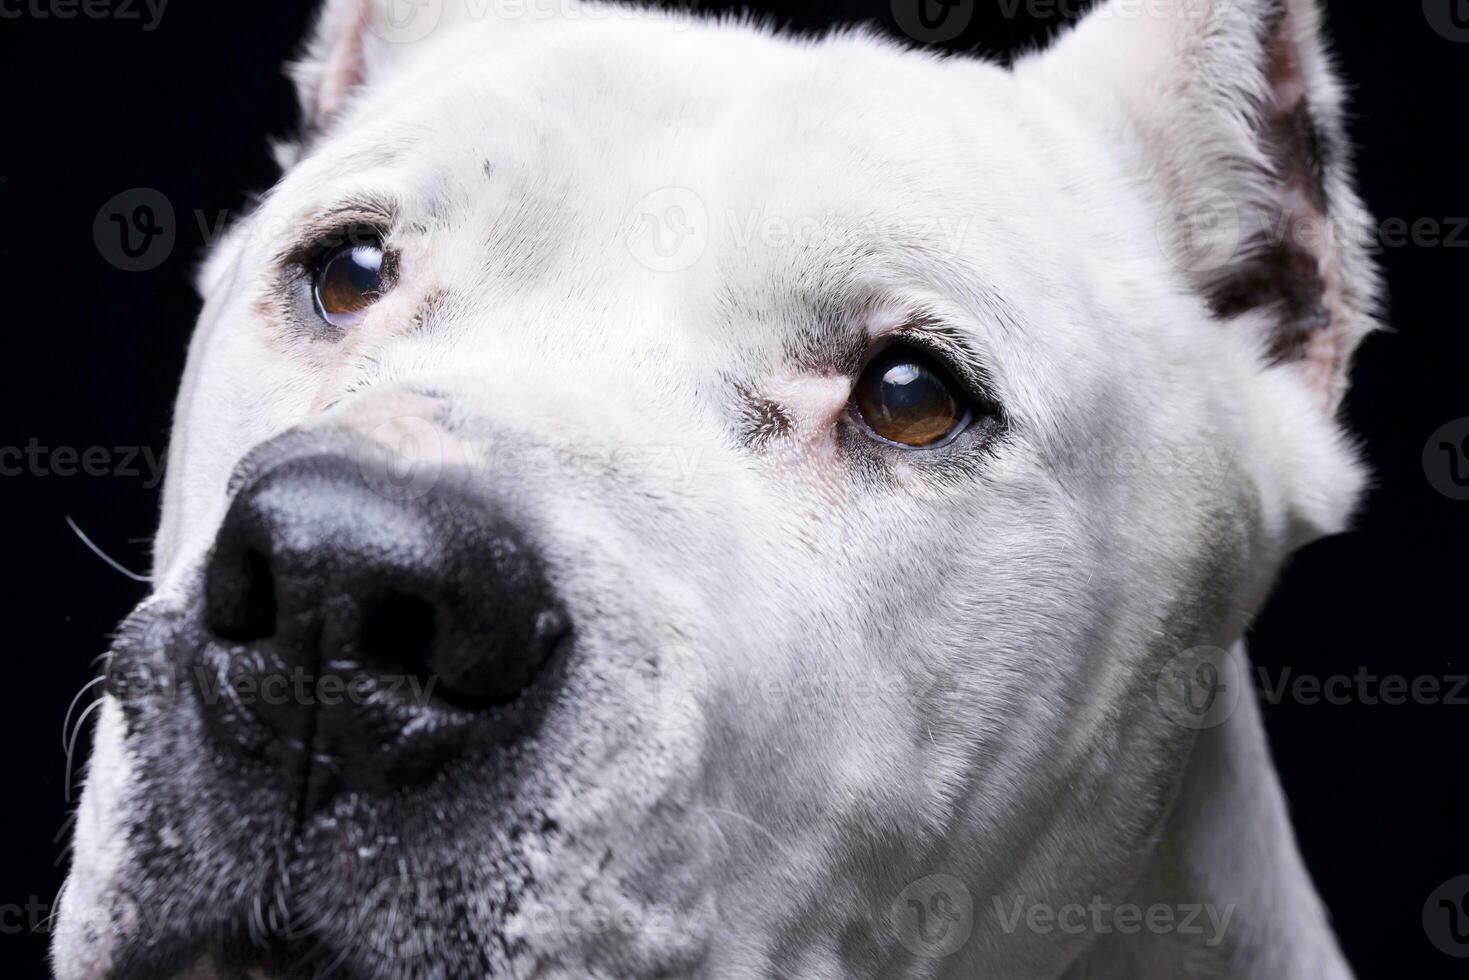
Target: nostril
{"points": [[398, 633], [316, 575], [240, 598]]}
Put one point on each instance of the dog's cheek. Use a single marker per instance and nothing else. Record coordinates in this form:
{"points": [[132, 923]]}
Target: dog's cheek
{"points": [[86, 931]]}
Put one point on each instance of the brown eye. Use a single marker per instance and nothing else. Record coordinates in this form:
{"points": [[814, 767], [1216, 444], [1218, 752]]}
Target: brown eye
{"points": [[904, 398], [348, 281]]}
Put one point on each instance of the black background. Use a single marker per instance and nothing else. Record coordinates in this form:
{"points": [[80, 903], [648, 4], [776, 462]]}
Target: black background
{"points": [[92, 354]]}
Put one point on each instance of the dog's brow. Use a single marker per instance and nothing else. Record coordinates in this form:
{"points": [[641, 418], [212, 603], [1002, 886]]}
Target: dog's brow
{"points": [[931, 329], [324, 223], [832, 341]]}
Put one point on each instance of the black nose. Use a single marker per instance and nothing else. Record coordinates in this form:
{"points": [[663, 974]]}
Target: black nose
{"points": [[363, 627]]}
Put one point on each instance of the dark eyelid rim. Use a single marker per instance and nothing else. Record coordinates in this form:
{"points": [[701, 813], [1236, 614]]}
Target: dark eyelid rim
{"points": [[329, 227], [930, 335]]}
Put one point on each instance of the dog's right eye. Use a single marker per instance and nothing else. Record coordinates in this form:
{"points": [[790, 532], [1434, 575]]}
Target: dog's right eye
{"points": [[348, 280], [906, 399]]}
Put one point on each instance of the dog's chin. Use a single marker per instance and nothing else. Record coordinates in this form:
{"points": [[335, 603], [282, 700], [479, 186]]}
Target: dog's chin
{"points": [[219, 967], [214, 968], [400, 950], [303, 959], [266, 964]]}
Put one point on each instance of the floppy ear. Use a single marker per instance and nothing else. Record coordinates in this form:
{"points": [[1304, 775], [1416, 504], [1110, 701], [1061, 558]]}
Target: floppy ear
{"points": [[1231, 113]]}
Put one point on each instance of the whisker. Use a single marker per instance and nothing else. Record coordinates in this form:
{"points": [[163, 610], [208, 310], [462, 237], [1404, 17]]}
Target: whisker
{"points": [[67, 825], [749, 820], [45, 925], [71, 749], [103, 555], [66, 723]]}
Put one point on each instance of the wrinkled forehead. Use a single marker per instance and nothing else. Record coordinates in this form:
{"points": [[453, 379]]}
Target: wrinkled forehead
{"points": [[781, 200]]}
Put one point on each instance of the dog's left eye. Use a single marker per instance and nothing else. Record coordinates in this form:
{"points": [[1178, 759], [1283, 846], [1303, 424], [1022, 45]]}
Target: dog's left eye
{"points": [[348, 280], [903, 397]]}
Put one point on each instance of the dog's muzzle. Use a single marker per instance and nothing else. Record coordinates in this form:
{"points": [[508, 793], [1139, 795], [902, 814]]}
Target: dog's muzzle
{"points": [[360, 633]]}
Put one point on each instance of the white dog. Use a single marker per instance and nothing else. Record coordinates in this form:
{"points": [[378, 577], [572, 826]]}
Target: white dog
{"points": [[651, 498]]}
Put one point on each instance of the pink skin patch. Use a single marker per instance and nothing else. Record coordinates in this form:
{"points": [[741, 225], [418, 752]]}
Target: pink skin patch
{"points": [[1304, 220]]}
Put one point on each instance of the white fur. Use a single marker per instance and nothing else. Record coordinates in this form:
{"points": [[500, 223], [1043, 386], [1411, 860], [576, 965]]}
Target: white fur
{"points": [[889, 678]]}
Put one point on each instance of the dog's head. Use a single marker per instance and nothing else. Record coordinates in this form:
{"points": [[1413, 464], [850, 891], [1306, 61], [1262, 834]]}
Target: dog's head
{"points": [[648, 494]]}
